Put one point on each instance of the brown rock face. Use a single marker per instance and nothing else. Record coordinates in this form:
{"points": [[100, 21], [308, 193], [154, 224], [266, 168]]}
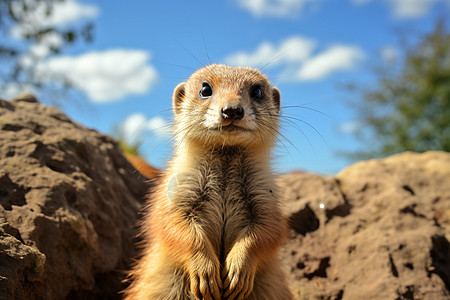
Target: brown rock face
{"points": [[69, 201], [380, 229]]}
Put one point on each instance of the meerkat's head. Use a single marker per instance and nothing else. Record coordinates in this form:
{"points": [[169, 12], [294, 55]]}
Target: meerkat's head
{"points": [[225, 106]]}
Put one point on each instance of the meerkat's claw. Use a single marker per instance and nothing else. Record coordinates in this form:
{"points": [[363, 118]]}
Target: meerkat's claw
{"points": [[205, 279], [239, 276]]}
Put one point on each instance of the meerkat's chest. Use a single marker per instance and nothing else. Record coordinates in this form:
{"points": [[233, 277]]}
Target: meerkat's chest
{"points": [[224, 188]]}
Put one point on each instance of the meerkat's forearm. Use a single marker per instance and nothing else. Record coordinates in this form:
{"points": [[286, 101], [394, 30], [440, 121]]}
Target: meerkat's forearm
{"points": [[184, 239], [255, 245]]}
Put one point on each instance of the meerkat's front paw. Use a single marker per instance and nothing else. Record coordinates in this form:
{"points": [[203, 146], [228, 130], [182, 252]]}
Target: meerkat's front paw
{"points": [[238, 276], [205, 279]]}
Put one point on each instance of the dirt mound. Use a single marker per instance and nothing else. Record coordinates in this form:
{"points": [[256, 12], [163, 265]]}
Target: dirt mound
{"points": [[69, 201], [378, 230]]}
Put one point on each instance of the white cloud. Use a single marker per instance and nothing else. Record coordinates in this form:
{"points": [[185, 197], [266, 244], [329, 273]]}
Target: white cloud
{"points": [[336, 58], [159, 126], [63, 13], [71, 11], [12, 90], [273, 8], [360, 2], [408, 8], [296, 58], [137, 125], [41, 49], [389, 53], [104, 76], [411, 8], [36, 17], [131, 129], [349, 127], [293, 49]]}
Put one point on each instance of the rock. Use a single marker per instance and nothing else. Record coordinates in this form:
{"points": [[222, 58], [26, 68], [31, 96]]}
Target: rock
{"points": [[69, 201], [380, 229]]}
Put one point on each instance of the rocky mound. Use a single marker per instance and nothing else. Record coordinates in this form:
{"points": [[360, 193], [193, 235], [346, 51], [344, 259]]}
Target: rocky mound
{"points": [[378, 230], [69, 201]]}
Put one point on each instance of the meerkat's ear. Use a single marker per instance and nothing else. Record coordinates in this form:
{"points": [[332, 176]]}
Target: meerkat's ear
{"points": [[276, 97], [178, 97]]}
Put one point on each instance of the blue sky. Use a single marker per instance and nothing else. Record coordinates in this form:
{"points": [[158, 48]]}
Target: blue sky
{"points": [[309, 48]]}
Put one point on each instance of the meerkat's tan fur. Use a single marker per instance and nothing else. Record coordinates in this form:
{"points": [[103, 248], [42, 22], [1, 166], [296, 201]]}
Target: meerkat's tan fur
{"points": [[214, 225]]}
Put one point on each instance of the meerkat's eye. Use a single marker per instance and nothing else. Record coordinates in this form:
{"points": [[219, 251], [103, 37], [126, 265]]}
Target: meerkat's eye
{"points": [[206, 91], [256, 93]]}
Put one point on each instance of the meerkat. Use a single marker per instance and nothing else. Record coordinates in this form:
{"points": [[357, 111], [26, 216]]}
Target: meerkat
{"points": [[214, 224]]}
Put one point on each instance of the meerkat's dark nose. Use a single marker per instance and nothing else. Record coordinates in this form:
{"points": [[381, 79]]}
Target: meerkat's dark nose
{"points": [[232, 112]]}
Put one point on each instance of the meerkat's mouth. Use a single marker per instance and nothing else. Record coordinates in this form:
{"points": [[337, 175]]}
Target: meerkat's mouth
{"points": [[232, 128]]}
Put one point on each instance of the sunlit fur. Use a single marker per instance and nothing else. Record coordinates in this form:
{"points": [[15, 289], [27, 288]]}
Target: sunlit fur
{"points": [[214, 225]]}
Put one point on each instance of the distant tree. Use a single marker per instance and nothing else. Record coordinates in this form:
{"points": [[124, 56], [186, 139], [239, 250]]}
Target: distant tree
{"points": [[27, 37], [409, 107]]}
